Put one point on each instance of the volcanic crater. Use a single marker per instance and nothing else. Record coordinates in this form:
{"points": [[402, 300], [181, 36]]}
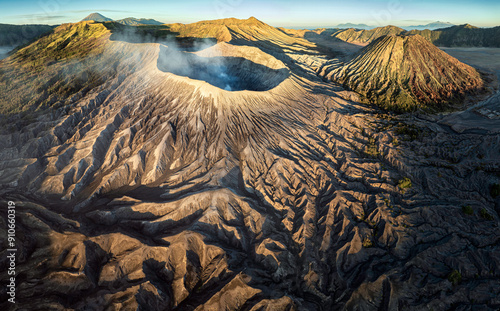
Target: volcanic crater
{"points": [[226, 72]]}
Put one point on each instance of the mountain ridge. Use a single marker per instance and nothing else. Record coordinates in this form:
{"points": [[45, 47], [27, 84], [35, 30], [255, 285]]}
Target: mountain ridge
{"points": [[430, 26], [464, 35], [132, 21], [129, 21], [461, 35]]}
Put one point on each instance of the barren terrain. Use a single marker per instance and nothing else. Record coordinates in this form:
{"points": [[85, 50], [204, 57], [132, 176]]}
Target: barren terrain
{"points": [[248, 183]]}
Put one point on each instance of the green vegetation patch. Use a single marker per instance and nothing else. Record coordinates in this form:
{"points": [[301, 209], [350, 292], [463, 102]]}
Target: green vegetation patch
{"points": [[371, 148], [404, 183], [411, 131], [68, 41], [455, 277], [367, 243], [484, 214], [467, 209]]}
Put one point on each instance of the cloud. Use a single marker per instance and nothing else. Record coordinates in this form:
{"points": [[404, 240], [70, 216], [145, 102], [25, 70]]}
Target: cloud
{"points": [[38, 16], [62, 16], [97, 10], [48, 16], [117, 11], [418, 20]]}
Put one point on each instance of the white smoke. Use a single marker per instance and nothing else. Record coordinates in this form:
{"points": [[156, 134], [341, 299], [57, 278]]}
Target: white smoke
{"points": [[214, 70], [178, 56]]}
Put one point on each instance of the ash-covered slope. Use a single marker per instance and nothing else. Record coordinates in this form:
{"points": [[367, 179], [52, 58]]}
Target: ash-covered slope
{"points": [[406, 73], [158, 191]]}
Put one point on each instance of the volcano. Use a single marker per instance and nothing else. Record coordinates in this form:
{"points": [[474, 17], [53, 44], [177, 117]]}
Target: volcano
{"points": [[407, 73], [208, 166], [97, 17]]}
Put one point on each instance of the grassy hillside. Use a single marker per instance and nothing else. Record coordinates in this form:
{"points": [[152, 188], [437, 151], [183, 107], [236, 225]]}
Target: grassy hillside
{"points": [[52, 68]]}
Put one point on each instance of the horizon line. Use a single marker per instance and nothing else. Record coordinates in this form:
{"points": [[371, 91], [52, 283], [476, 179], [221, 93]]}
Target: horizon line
{"points": [[296, 27]]}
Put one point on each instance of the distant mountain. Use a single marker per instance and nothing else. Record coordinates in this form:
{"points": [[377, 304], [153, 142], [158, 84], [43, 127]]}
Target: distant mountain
{"points": [[455, 36], [430, 26], [462, 35], [129, 21], [405, 73], [14, 35], [351, 25], [97, 18], [132, 21]]}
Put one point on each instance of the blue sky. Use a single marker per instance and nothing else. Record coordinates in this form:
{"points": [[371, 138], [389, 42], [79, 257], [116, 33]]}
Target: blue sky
{"points": [[305, 13]]}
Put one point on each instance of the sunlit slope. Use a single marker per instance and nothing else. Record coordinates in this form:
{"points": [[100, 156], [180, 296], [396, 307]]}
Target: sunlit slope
{"points": [[53, 68], [406, 73]]}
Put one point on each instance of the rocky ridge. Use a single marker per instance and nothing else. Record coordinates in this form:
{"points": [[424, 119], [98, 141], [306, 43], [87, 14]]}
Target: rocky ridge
{"points": [[455, 36]]}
